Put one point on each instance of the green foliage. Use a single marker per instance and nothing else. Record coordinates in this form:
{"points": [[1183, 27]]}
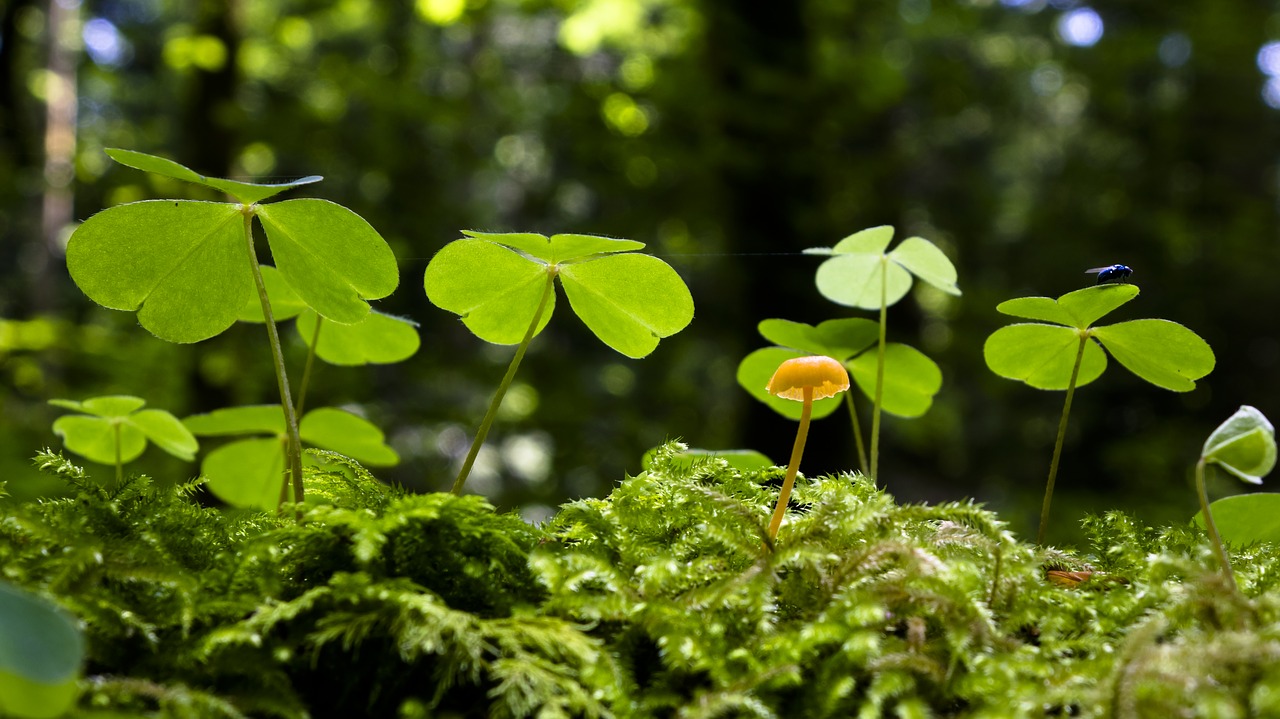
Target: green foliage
{"points": [[181, 264], [376, 602], [41, 651], [1245, 519], [1244, 445], [868, 608], [861, 274], [377, 339], [1044, 356], [662, 599], [1068, 354], [739, 459], [911, 379], [115, 430], [503, 288], [494, 282], [247, 472]]}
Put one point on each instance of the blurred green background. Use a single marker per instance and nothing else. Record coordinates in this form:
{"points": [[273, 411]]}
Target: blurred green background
{"points": [[1031, 140]]}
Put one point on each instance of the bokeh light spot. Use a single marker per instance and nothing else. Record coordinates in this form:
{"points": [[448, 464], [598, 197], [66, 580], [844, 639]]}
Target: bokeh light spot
{"points": [[1269, 59], [440, 12], [624, 115], [1081, 27], [1175, 49], [103, 43]]}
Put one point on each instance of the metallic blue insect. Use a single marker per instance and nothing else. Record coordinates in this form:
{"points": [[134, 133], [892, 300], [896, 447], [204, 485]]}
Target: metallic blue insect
{"points": [[1111, 273]]}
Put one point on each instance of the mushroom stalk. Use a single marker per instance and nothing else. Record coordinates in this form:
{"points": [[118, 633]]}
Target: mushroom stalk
{"points": [[793, 467]]}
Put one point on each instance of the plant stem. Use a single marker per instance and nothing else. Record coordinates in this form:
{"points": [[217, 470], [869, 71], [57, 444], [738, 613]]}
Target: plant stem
{"points": [[496, 402], [1062, 433], [293, 457], [857, 431], [306, 370], [1214, 537], [875, 411], [793, 466]]}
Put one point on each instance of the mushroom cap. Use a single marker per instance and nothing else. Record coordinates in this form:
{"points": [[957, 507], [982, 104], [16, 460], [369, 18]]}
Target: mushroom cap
{"points": [[826, 376]]}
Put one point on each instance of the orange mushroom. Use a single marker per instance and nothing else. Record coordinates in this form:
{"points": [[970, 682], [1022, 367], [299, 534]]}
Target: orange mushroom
{"points": [[803, 379]]}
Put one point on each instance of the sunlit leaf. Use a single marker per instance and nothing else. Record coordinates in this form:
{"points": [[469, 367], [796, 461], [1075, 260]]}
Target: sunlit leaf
{"points": [[924, 260], [330, 256], [1078, 309], [377, 339], [94, 435], [1245, 519], [839, 338], [348, 434], [1163, 353], [494, 290], [1042, 355], [167, 432], [41, 653], [630, 301], [94, 438], [558, 248], [1093, 303], [246, 419], [246, 473], [229, 469], [911, 379], [179, 264], [245, 192], [1244, 445], [856, 280]]}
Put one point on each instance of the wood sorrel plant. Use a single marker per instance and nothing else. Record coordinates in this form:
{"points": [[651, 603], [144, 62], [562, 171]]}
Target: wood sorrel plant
{"points": [[861, 274], [910, 378], [503, 288], [115, 430], [1062, 356], [189, 268], [1244, 445]]}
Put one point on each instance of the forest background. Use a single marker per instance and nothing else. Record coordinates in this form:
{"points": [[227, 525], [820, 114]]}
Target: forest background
{"points": [[1031, 140]]}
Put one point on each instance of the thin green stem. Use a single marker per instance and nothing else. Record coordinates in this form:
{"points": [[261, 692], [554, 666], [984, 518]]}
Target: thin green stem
{"points": [[306, 370], [293, 457], [857, 431], [1214, 537], [119, 456], [793, 467], [494, 404], [875, 411], [1062, 434]]}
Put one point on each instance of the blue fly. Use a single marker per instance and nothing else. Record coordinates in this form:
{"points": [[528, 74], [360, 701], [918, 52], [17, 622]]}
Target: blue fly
{"points": [[1111, 273]]}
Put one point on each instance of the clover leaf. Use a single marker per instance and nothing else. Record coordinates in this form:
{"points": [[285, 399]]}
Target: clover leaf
{"points": [[247, 472], [494, 282], [1244, 445], [190, 268], [115, 430], [860, 273], [1069, 352], [1044, 356], [502, 286]]}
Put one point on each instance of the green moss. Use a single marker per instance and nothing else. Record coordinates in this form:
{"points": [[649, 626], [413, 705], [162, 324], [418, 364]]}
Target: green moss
{"points": [[663, 599]]}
